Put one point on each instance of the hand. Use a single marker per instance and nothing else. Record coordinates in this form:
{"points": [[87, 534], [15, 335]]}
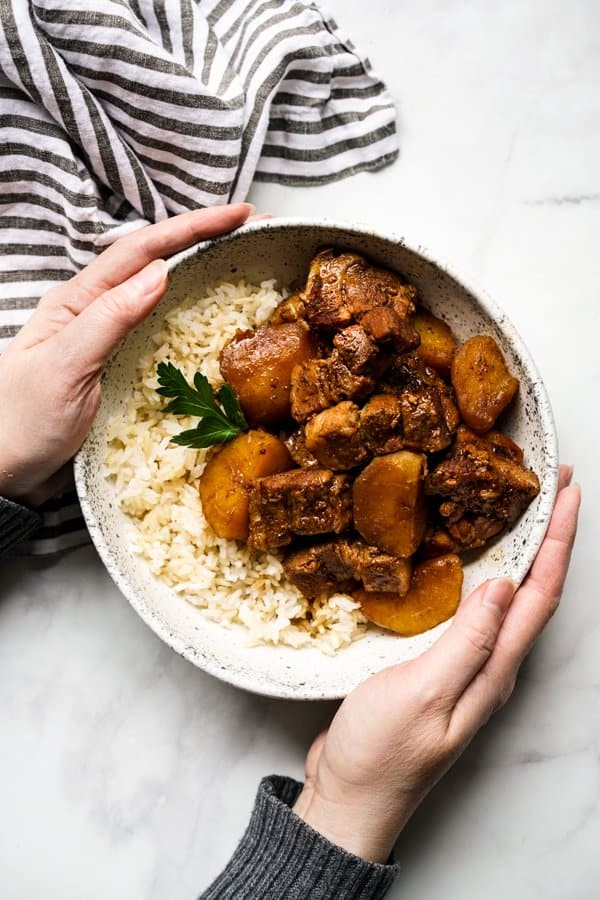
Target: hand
{"points": [[50, 373], [398, 732]]}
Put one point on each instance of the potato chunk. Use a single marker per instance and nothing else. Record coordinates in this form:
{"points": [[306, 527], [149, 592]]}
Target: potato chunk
{"points": [[228, 477], [433, 597], [389, 502], [258, 365], [484, 387], [438, 343]]}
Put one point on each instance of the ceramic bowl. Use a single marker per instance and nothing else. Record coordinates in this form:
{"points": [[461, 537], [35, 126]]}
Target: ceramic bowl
{"points": [[282, 249]]}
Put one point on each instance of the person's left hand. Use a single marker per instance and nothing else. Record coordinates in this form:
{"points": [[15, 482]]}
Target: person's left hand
{"points": [[50, 372]]}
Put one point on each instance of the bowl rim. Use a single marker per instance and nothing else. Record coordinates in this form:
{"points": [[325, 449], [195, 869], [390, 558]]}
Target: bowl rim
{"points": [[243, 679]]}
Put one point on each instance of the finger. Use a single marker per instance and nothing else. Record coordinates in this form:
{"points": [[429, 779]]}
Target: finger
{"points": [[454, 661], [532, 607], [132, 253], [93, 335], [565, 474], [542, 588], [259, 217]]}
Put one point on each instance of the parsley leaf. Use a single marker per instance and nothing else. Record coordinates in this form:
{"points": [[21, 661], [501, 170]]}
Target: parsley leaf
{"points": [[229, 401], [221, 417]]}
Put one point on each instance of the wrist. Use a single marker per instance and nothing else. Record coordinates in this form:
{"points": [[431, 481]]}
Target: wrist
{"points": [[15, 480], [11, 486], [19, 483], [358, 825]]}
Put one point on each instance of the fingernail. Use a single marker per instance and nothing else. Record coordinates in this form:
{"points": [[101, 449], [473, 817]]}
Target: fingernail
{"points": [[151, 276], [251, 207], [499, 594], [569, 474]]}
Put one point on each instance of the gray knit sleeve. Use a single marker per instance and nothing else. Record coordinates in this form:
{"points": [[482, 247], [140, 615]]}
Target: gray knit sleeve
{"points": [[280, 857], [16, 523]]}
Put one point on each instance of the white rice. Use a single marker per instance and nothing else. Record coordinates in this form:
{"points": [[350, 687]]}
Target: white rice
{"points": [[157, 484]]}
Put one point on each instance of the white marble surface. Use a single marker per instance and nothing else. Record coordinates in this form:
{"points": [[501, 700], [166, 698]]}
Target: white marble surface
{"points": [[125, 772]]}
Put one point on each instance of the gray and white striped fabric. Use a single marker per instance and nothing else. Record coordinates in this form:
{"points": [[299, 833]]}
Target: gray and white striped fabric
{"points": [[117, 113]]}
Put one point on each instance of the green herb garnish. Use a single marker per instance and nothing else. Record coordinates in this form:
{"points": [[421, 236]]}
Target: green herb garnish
{"points": [[221, 417]]}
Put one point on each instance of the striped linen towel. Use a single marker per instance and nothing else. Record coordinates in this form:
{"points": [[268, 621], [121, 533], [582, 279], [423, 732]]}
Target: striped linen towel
{"points": [[117, 113]]}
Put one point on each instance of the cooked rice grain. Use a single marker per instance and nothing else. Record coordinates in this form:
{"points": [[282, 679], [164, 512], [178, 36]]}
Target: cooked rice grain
{"points": [[157, 486]]}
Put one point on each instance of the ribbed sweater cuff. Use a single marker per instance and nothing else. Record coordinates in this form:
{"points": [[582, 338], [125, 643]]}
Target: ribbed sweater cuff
{"points": [[16, 523], [280, 857]]}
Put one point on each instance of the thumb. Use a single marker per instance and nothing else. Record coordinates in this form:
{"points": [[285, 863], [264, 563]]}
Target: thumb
{"points": [[101, 326]]}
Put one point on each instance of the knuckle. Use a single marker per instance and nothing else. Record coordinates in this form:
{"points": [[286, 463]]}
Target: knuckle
{"points": [[53, 296], [139, 241], [119, 304], [505, 693], [430, 694], [480, 639], [128, 241]]}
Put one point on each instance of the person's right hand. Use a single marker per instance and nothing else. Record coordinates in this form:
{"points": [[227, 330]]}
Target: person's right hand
{"points": [[398, 732]]}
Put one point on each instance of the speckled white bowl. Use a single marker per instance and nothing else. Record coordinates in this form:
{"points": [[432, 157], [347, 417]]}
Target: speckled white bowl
{"points": [[282, 248]]}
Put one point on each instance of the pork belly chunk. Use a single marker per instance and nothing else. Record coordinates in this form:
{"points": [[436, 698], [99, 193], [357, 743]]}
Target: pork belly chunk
{"points": [[367, 286], [424, 425], [309, 392], [343, 288], [320, 569], [334, 437], [344, 384], [482, 487], [384, 325], [416, 413], [289, 310], [324, 296], [381, 424], [320, 383], [381, 571], [298, 450], [340, 565], [303, 502], [359, 352], [471, 530], [430, 416]]}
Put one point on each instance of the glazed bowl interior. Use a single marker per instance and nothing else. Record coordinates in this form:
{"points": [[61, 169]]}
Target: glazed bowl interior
{"points": [[282, 249]]}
